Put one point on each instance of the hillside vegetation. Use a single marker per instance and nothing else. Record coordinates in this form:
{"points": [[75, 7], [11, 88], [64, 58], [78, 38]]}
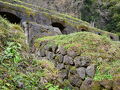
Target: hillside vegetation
{"points": [[18, 69], [22, 67], [101, 50]]}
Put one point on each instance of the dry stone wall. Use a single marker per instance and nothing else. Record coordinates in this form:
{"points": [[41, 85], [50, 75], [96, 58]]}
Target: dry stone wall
{"points": [[77, 70]]}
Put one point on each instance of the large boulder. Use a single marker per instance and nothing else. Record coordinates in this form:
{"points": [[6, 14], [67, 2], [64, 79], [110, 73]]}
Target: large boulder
{"points": [[34, 30], [90, 71], [63, 74], [75, 80], [86, 85], [81, 72], [68, 60], [62, 50]]}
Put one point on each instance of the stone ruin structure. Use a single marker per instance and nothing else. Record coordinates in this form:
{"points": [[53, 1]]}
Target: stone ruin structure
{"points": [[38, 22]]}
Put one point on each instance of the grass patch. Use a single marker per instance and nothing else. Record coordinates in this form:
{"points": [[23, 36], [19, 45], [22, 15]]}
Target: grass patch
{"points": [[11, 32], [107, 70], [88, 44], [103, 51]]}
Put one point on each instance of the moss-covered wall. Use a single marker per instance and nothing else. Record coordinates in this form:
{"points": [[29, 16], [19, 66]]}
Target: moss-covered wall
{"points": [[85, 60], [31, 13]]}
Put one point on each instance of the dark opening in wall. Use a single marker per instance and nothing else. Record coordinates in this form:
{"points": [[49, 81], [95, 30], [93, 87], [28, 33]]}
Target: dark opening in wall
{"points": [[60, 26], [99, 33], [83, 30], [111, 37], [10, 17]]}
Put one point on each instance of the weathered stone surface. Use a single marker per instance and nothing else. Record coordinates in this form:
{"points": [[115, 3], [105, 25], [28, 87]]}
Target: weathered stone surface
{"points": [[37, 53], [54, 48], [75, 80], [81, 72], [71, 53], [85, 61], [63, 74], [62, 50], [68, 60], [37, 31], [48, 48], [90, 71], [60, 66], [42, 58], [50, 55], [81, 61], [77, 61], [86, 84], [41, 53], [56, 30], [107, 84], [59, 58]]}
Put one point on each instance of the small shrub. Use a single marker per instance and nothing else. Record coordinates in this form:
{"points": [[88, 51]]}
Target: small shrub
{"points": [[11, 52]]}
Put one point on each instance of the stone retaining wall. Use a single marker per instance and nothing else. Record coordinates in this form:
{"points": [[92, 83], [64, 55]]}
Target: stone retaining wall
{"points": [[77, 70]]}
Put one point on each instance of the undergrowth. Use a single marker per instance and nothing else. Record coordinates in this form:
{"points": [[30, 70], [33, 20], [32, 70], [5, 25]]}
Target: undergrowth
{"points": [[20, 70], [103, 52], [86, 44], [21, 73], [107, 70]]}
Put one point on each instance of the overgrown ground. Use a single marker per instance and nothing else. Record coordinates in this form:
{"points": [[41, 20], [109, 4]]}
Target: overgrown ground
{"points": [[103, 51], [18, 69]]}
